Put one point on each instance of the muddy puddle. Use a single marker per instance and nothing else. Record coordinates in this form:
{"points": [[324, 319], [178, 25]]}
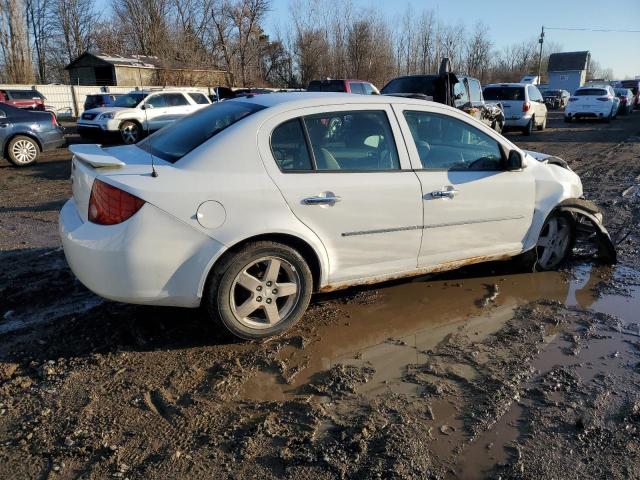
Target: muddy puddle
{"points": [[393, 332]]}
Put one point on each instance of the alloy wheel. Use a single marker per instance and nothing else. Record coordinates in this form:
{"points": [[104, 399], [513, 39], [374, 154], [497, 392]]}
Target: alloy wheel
{"points": [[24, 151], [265, 292], [553, 242], [129, 133]]}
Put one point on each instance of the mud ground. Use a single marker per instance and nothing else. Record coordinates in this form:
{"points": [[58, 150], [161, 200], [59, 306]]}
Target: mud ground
{"points": [[478, 373]]}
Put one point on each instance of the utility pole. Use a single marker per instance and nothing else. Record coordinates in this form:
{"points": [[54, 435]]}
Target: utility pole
{"points": [[540, 41]]}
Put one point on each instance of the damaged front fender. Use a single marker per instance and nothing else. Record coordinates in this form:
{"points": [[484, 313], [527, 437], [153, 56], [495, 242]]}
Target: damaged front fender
{"points": [[589, 227]]}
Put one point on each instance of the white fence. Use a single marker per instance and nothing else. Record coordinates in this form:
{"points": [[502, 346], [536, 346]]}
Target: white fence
{"points": [[68, 100]]}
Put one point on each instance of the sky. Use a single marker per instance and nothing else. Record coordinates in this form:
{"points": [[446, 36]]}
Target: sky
{"points": [[513, 21]]}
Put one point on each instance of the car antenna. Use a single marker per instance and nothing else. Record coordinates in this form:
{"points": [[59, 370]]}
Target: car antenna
{"points": [[154, 173]]}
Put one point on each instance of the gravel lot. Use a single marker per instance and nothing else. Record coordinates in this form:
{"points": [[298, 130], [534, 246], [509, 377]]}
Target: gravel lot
{"points": [[479, 373]]}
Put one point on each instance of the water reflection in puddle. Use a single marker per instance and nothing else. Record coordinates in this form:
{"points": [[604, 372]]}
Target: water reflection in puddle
{"points": [[406, 320]]}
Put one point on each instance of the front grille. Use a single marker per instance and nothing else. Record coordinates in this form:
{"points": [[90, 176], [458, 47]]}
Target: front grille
{"points": [[89, 116]]}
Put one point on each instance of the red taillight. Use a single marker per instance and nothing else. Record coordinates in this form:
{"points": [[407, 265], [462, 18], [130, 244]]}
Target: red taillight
{"points": [[526, 106], [109, 205]]}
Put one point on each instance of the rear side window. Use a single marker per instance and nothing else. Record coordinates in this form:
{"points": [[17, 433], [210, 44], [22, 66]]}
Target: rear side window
{"points": [[504, 93], [586, 92], [177, 139], [289, 146], [198, 97], [358, 140], [424, 85]]}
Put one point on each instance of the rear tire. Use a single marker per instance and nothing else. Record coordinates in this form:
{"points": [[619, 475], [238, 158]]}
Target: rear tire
{"points": [[543, 125], [23, 151], [526, 131], [259, 291]]}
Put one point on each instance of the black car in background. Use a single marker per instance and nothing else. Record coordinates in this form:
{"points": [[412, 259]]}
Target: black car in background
{"points": [[24, 134], [462, 92], [556, 98]]}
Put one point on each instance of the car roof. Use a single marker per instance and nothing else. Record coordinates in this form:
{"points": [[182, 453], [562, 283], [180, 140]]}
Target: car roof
{"points": [[290, 100]]}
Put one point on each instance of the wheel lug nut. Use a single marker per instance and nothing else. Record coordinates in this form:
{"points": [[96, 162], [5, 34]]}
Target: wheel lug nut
{"points": [[259, 288], [275, 291], [268, 300], [269, 284], [259, 299]]}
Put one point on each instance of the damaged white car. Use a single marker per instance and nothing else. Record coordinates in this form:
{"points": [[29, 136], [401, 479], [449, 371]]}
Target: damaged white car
{"points": [[249, 206]]}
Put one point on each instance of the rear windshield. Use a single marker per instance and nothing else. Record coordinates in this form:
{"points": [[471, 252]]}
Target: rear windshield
{"points": [[24, 94], [176, 140], [622, 92], [504, 93], [588, 92], [552, 92], [328, 86], [424, 85]]}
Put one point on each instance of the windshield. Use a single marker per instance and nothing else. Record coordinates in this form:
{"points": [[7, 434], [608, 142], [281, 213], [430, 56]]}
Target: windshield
{"points": [[504, 93], [327, 86], [587, 92], [552, 92], [422, 84], [130, 100], [176, 140], [622, 92]]}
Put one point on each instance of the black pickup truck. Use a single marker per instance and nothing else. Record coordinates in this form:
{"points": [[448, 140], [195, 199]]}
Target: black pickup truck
{"points": [[462, 92]]}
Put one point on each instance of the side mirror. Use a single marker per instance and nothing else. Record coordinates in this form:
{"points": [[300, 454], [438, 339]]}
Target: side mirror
{"points": [[146, 105], [515, 161]]}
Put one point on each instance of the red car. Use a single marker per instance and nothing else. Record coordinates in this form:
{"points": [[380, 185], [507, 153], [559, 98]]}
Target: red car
{"points": [[346, 86], [25, 99]]}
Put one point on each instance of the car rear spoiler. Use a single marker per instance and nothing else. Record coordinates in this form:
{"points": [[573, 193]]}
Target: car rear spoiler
{"points": [[95, 156]]}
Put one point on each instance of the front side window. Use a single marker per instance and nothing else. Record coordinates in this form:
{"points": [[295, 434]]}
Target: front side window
{"points": [[156, 101], [460, 94], [179, 138], [289, 146], [356, 87], [446, 143], [356, 140]]}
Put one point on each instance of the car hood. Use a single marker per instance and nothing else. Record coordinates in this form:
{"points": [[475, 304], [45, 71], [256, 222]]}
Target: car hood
{"points": [[108, 109]]}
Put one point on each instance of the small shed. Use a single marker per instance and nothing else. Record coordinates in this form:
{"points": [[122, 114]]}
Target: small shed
{"points": [[568, 70], [134, 70]]}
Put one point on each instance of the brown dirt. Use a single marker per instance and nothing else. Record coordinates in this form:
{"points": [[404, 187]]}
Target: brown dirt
{"points": [[435, 377]]}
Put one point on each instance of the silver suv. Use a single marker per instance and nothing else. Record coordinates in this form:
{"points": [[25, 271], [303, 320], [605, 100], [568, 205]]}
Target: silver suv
{"points": [[523, 105]]}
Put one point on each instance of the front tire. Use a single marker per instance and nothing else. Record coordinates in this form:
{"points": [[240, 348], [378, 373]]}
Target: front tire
{"points": [[259, 291], [23, 151], [130, 132], [554, 242]]}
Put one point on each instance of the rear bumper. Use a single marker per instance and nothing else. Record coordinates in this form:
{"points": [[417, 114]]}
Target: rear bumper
{"points": [[150, 259], [519, 122], [53, 140]]}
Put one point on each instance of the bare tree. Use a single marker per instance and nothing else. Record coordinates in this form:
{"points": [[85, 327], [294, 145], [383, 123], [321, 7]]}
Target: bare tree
{"points": [[39, 25], [145, 23], [14, 42]]}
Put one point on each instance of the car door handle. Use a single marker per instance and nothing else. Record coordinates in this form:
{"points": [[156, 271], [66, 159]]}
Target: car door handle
{"points": [[443, 193], [321, 200]]}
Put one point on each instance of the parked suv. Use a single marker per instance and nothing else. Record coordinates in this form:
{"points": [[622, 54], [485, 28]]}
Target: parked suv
{"points": [[346, 86], [523, 105], [140, 112], [25, 99], [634, 86], [593, 101], [464, 93], [100, 100], [626, 100]]}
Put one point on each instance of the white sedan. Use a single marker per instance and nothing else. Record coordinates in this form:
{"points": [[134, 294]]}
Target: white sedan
{"points": [[592, 101], [253, 204]]}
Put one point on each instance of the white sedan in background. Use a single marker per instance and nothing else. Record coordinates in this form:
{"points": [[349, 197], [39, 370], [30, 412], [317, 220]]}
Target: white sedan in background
{"points": [[594, 101], [254, 204]]}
